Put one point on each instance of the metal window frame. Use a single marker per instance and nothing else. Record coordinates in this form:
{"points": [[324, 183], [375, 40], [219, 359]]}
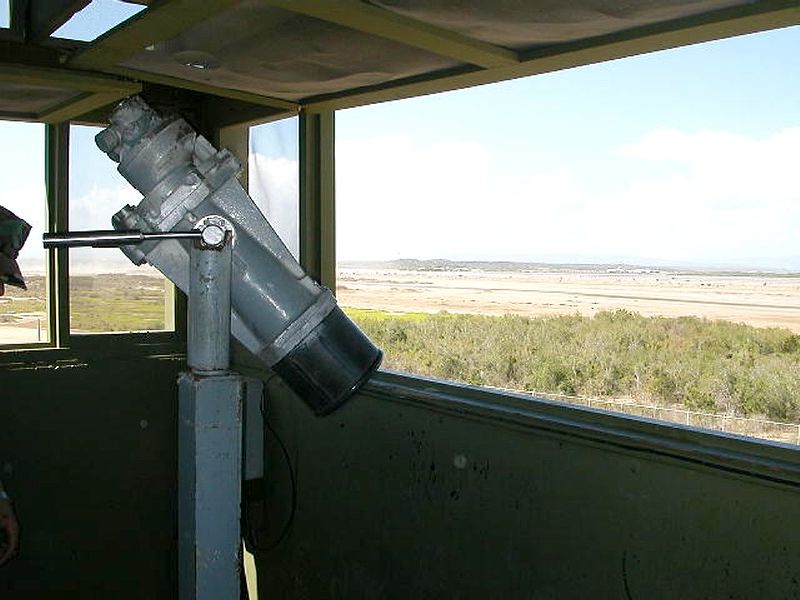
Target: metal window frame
{"points": [[57, 166], [318, 196], [53, 214]]}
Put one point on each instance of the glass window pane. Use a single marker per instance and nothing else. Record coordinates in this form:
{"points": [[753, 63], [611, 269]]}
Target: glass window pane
{"points": [[4, 13], [23, 312], [97, 18], [273, 178], [623, 236], [107, 291]]}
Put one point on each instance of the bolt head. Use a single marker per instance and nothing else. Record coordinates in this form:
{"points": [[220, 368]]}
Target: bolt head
{"points": [[213, 235]]}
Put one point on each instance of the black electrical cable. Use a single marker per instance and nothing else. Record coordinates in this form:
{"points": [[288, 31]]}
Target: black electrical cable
{"points": [[290, 520], [251, 539]]}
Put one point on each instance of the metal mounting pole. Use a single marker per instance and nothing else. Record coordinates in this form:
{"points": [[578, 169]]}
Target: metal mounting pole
{"points": [[209, 326], [210, 429]]}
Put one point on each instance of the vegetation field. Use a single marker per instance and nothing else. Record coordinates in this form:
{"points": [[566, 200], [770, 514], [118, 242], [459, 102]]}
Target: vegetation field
{"points": [[17, 301], [98, 303], [117, 302], [720, 342], [686, 344], [713, 366], [23, 313]]}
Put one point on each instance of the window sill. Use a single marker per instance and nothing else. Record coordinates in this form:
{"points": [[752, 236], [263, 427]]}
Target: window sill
{"points": [[696, 448], [168, 345]]}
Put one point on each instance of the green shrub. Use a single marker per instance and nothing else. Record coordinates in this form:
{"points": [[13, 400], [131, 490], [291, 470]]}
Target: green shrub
{"points": [[687, 361]]}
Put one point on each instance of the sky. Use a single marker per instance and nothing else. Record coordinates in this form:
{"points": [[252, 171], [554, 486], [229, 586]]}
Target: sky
{"points": [[684, 157]]}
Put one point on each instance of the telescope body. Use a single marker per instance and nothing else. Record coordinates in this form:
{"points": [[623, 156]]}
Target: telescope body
{"points": [[291, 323]]}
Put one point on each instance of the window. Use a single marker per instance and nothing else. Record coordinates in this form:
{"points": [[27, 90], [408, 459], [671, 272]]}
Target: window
{"points": [[624, 236], [108, 293], [273, 177], [98, 17], [23, 312], [4, 14]]}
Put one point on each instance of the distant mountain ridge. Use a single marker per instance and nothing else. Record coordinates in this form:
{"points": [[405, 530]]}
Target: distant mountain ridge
{"points": [[447, 265]]}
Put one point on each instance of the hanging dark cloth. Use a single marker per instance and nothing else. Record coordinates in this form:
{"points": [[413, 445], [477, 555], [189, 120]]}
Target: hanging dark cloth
{"points": [[13, 233]]}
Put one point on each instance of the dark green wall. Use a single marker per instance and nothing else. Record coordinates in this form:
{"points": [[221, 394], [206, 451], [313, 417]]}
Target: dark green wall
{"points": [[432, 491], [89, 448], [410, 491]]}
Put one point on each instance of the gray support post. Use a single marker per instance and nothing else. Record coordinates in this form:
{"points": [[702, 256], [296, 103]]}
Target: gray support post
{"points": [[209, 479], [210, 434]]}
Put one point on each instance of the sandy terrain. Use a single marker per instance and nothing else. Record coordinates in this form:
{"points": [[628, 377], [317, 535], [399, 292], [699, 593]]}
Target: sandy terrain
{"points": [[27, 333], [760, 300]]}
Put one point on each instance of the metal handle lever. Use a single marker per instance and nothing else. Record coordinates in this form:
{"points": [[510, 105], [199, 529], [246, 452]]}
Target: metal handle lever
{"points": [[112, 239]]}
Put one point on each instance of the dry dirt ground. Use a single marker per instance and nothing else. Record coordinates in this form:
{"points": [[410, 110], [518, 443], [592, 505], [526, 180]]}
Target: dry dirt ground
{"points": [[760, 300]]}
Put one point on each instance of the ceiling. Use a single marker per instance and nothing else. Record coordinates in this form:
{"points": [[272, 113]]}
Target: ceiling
{"points": [[281, 55]]}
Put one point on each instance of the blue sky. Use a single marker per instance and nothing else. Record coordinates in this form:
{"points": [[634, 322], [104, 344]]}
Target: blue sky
{"points": [[89, 23], [677, 157], [682, 157]]}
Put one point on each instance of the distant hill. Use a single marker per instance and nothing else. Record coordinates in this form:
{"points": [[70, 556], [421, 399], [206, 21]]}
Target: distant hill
{"points": [[446, 265]]}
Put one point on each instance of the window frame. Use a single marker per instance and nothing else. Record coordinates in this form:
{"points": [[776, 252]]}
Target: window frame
{"points": [[57, 164], [318, 258], [50, 261], [174, 319]]}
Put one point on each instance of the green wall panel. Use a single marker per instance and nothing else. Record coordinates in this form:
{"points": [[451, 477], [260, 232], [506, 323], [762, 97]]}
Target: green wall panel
{"points": [[403, 497], [88, 452]]}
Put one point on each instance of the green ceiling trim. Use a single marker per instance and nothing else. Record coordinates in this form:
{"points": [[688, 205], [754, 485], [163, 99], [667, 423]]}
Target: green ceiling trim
{"points": [[750, 18], [75, 107], [94, 90], [159, 22], [205, 88], [377, 21], [14, 52], [13, 116], [65, 78]]}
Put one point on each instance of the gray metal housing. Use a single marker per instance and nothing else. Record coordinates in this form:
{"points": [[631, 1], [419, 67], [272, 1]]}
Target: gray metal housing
{"points": [[277, 311]]}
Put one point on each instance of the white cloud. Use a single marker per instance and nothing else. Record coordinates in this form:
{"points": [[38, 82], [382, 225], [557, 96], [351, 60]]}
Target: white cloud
{"points": [[396, 198], [729, 168], [710, 197], [714, 198], [94, 210], [274, 187]]}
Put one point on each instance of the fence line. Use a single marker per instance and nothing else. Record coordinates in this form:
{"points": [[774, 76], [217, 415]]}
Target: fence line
{"points": [[762, 428]]}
